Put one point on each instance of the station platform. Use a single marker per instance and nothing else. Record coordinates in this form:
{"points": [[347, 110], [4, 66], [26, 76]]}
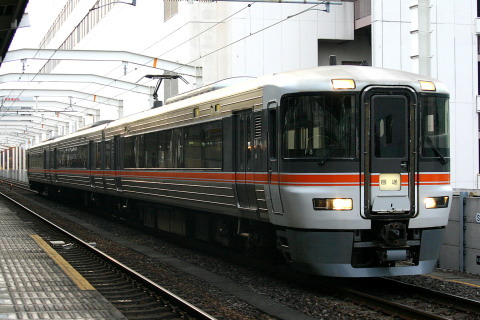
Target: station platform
{"points": [[36, 283], [456, 277]]}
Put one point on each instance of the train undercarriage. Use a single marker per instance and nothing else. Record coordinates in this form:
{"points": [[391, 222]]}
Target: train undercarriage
{"points": [[388, 248], [245, 235]]}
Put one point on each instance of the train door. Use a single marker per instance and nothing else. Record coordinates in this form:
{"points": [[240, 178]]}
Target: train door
{"points": [[244, 159], [389, 143], [91, 163], [54, 164], [116, 152], [273, 165], [47, 165], [107, 161]]}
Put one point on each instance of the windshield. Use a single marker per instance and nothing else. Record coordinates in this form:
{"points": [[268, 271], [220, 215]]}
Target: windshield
{"points": [[435, 127], [319, 126]]}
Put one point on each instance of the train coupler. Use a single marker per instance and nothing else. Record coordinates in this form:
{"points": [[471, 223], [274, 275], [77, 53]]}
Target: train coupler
{"points": [[394, 234]]}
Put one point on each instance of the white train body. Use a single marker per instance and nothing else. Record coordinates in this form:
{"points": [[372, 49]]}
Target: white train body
{"points": [[348, 165]]}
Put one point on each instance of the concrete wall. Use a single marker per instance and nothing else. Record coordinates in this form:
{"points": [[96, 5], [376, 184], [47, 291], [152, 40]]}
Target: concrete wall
{"points": [[467, 211], [452, 58]]}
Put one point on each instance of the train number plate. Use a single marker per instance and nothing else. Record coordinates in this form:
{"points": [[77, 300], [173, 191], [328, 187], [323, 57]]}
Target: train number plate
{"points": [[390, 181]]}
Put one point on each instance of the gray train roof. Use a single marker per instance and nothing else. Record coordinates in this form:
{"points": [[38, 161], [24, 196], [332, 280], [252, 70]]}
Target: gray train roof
{"points": [[319, 79], [305, 80]]}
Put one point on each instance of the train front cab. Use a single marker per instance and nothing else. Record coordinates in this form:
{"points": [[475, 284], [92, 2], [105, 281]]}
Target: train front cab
{"points": [[365, 180]]}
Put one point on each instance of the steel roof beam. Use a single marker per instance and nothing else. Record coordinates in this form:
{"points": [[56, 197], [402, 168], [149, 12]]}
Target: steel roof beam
{"points": [[20, 129], [4, 117], [15, 93], [102, 55], [11, 138], [79, 78], [27, 135], [15, 123], [325, 2], [60, 116], [57, 105], [16, 143]]}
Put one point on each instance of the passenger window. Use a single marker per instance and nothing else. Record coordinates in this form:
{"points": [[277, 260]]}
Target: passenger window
{"points": [[317, 126]]}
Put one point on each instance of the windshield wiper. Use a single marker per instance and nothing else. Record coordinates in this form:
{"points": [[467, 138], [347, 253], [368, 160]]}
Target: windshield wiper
{"points": [[441, 157], [329, 154]]}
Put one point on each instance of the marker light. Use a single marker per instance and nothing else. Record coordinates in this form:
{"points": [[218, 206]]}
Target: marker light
{"points": [[332, 204], [343, 84], [436, 202], [427, 85]]}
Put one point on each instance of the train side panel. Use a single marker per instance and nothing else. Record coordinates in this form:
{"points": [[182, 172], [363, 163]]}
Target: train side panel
{"points": [[351, 175]]}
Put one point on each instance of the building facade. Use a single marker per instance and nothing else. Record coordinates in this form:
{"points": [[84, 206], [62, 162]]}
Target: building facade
{"points": [[227, 39]]}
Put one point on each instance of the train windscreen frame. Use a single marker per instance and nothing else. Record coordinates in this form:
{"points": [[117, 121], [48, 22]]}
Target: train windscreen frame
{"points": [[435, 133], [319, 126]]}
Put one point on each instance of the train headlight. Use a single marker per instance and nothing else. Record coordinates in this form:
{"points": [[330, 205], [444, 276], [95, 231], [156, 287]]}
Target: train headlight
{"points": [[343, 84], [427, 85], [436, 202], [332, 204]]}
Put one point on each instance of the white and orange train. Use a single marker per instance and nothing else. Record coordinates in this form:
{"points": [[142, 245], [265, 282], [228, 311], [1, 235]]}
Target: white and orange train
{"points": [[345, 169]]}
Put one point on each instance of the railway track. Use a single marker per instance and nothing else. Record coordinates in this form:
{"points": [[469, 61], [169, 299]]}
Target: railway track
{"points": [[388, 298], [134, 295], [440, 306]]}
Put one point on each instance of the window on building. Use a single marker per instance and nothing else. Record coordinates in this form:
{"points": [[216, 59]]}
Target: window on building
{"points": [[170, 8]]}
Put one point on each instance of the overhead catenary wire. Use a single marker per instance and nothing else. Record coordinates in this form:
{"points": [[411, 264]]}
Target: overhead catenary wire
{"points": [[215, 24], [202, 32]]}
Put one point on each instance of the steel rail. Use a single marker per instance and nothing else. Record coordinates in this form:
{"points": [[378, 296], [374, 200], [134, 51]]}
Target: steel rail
{"points": [[390, 307], [189, 308], [454, 301]]}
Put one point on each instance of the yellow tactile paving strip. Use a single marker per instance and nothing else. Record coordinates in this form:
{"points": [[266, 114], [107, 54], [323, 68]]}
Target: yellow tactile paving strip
{"points": [[73, 274], [455, 280]]}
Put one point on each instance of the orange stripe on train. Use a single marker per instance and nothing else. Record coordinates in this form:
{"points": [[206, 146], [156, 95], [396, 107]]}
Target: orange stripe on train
{"points": [[258, 178]]}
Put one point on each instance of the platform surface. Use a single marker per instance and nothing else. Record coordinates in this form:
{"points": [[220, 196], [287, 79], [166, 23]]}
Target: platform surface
{"points": [[461, 278], [36, 284]]}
